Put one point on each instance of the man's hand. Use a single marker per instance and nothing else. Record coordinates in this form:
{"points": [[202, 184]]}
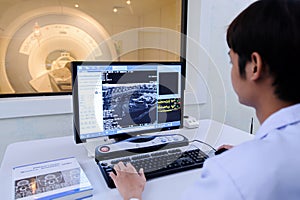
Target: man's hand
{"points": [[129, 182], [225, 146]]}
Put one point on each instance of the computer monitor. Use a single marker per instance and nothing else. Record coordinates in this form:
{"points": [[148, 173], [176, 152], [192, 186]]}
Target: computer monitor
{"points": [[124, 99]]}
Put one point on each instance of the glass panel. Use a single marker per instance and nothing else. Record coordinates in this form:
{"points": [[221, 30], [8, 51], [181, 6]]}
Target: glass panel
{"points": [[38, 38]]}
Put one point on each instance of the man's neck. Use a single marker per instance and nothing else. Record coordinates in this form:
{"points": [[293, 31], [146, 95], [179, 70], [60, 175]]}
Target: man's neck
{"points": [[269, 107]]}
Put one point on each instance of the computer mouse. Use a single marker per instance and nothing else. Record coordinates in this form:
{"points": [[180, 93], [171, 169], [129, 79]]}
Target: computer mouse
{"points": [[219, 151]]}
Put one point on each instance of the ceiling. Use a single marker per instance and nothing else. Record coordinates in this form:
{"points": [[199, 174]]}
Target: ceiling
{"points": [[12, 9], [137, 7]]}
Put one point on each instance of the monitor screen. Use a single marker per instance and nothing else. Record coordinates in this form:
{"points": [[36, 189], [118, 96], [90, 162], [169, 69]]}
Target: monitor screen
{"points": [[126, 98]]}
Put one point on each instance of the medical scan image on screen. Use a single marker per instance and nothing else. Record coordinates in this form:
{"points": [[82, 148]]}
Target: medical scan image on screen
{"points": [[117, 98]]}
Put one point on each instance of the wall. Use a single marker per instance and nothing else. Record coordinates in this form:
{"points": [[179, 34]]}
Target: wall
{"points": [[207, 52], [31, 128], [161, 43]]}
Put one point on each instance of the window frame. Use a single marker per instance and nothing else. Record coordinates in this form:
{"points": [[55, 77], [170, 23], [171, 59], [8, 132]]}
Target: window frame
{"points": [[39, 104]]}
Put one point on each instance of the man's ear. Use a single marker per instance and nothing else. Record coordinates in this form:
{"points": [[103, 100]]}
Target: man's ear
{"points": [[256, 66]]}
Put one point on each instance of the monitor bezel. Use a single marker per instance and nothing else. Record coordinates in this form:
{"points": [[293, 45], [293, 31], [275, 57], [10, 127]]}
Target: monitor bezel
{"points": [[121, 136]]}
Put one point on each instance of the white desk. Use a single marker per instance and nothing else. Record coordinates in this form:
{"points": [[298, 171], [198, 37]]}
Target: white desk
{"points": [[167, 187]]}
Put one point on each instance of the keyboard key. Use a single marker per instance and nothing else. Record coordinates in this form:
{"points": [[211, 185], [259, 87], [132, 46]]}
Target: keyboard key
{"points": [[159, 153], [124, 160], [140, 157], [175, 151]]}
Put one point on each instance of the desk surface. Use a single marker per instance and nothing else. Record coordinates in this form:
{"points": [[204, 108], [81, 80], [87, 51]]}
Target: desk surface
{"points": [[167, 187]]}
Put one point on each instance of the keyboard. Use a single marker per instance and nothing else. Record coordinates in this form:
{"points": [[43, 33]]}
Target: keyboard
{"points": [[157, 163]]}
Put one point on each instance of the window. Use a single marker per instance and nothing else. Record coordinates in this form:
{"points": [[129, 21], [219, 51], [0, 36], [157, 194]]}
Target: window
{"points": [[39, 38]]}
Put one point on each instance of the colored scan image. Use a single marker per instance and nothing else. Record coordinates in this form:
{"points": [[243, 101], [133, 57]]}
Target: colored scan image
{"points": [[129, 105]]}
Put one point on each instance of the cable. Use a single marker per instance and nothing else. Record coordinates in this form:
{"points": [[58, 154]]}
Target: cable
{"points": [[203, 143]]}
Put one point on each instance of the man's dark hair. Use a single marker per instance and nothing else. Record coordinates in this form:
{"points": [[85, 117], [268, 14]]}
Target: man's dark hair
{"points": [[272, 29]]}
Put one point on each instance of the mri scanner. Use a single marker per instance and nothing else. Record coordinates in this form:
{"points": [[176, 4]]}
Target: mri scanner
{"points": [[43, 41]]}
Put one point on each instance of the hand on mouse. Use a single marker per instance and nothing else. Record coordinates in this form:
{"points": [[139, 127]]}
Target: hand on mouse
{"points": [[222, 149], [225, 146]]}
